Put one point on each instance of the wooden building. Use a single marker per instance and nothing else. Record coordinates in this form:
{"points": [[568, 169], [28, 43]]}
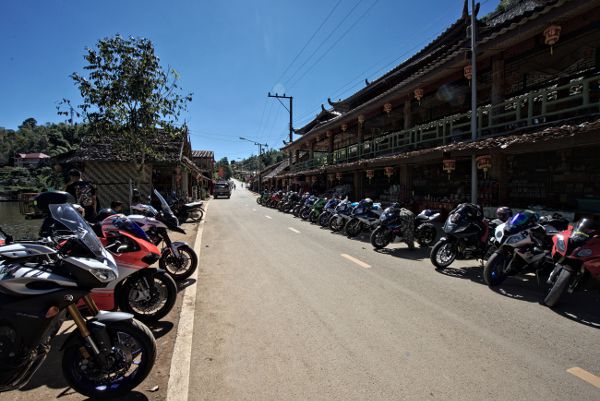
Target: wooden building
{"points": [[168, 170], [406, 136]]}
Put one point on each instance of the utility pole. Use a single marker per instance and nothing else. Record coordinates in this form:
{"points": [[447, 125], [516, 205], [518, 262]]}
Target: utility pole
{"points": [[260, 152], [290, 110], [474, 187]]}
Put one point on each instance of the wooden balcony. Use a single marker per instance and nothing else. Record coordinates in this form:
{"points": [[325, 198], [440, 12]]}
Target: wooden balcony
{"points": [[547, 106]]}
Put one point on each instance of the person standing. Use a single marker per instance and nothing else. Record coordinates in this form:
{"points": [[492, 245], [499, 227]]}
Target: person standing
{"points": [[84, 192], [407, 225]]}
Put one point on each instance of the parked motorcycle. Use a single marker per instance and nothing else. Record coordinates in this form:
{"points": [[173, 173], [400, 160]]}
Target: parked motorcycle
{"points": [[107, 355], [425, 231], [177, 258], [523, 243], [576, 252], [298, 207], [391, 225], [328, 211], [466, 236], [316, 209], [184, 211], [342, 214], [365, 216], [146, 292], [308, 204]]}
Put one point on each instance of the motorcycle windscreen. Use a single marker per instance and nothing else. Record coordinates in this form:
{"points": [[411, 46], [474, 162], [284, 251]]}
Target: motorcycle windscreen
{"points": [[125, 224], [71, 219], [164, 205]]}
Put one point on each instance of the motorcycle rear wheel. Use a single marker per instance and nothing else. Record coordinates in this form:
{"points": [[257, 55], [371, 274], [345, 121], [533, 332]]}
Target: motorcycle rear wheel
{"points": [[443, 254], [560, 286], [134, 348], [380, 238], [196, 215], [313, 217], [353, 227], [493, 271], [163, 293], [305, 213], [182, 267]]}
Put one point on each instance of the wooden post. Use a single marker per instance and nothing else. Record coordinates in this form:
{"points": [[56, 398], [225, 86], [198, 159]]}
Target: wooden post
{"points": [[407, 114], [497, 79], [358, 190], [329, 147], [311, 150], [359, 140]]}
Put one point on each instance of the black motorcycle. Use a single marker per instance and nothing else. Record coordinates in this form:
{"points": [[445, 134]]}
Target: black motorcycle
{"points": [[466, 237], [41, 284], [187, 211], [391, 226]]}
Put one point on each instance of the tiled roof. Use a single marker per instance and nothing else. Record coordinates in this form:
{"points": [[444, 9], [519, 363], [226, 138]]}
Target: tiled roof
{"points": [[203, 154]]}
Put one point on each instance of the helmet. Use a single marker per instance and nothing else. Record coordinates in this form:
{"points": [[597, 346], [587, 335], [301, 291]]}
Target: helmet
{"points": [[43, 200], [583, 230], [503, 213], [104, 213], [136, 196]]}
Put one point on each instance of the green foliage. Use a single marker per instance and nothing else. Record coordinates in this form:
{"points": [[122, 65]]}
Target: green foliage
{"points": [[128, 97], [51, 139], [20, 179], [224, 166], [267, 159]]}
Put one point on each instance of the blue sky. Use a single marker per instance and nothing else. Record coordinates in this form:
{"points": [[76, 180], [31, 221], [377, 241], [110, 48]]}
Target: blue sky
{"points": [[229, 55]]}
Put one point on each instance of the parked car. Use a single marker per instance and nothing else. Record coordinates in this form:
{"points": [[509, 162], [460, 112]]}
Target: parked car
{"points": [[222, 189]]}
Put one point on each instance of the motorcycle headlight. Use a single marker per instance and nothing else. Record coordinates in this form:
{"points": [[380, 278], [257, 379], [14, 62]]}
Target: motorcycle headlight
{"points": [[104, 275], [560, 244], [513, 239]]}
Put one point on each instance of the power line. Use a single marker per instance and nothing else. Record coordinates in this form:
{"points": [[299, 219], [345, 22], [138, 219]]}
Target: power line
{"points": [[309, 40], [335, 43], [324, 41]]}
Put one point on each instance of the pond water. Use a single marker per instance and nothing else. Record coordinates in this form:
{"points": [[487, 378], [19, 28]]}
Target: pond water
{"points": [[15, 224]]}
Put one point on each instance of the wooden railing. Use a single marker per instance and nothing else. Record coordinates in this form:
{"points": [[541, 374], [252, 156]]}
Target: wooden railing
{"points": [[578, 98]]}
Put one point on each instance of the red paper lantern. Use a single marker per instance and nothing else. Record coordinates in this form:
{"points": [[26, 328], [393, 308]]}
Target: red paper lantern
{"points": [[387, 108], [449, 165], [419, 95], [468, 71], [338, 176], [361, 119], [370, 174], [551, 35], [484, 162], [389, 171]]}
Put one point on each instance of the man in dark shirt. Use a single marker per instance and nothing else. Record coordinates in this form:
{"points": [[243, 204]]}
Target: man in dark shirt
{"points": [[84, 192]]}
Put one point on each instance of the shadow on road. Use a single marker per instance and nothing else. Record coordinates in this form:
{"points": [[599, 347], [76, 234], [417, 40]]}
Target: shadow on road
{"points": [[582, 306], [405, 253], [160, 328], [181, 285]]}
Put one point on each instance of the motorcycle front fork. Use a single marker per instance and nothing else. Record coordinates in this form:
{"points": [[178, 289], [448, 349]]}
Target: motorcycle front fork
{"points": [[81, 323]]}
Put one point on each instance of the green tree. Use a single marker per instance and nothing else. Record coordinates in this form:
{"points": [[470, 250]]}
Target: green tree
{"points": [[128, 98], [224, 170]]}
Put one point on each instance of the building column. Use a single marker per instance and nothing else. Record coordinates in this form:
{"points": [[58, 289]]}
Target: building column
{"points": [[497, 95], [311, 150], [358, 190], [407, 114], [329, 147], [359, 134], [499, 172]]}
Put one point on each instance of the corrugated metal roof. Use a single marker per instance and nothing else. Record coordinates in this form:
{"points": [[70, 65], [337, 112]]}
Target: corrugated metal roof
{"points": [[203, 154]]}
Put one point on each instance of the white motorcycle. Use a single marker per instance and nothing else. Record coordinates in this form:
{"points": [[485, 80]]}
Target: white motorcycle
{"points": [[177, 258]]}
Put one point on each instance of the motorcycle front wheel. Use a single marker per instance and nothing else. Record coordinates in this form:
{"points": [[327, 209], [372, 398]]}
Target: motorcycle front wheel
{"points": [[132, 357], [324, 219], [493, 271], [305, 213], [313, 216], [180, 267], [335, 224], [560, 286], [443, 254], [425, 234], [380, 238], [148, 299]]}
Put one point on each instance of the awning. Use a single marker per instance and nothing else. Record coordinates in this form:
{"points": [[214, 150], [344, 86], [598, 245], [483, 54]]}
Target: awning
{"points": [[284, 164], [194, 169]]}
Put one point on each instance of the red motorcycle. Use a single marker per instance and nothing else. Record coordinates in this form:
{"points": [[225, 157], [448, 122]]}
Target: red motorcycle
{"points": [[146, 292], [576, 252]]}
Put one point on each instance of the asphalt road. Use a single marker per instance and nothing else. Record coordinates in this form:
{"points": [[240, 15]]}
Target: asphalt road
{"points": [[289, 311]]}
